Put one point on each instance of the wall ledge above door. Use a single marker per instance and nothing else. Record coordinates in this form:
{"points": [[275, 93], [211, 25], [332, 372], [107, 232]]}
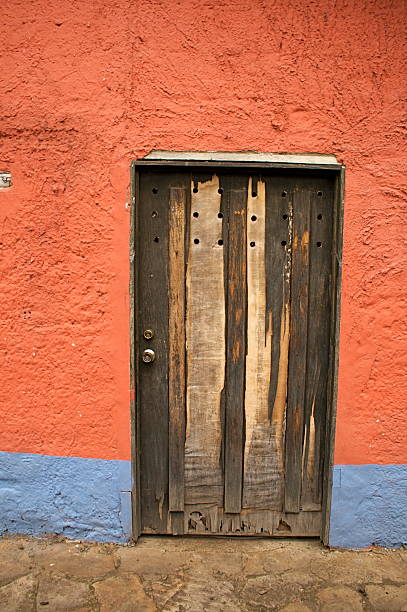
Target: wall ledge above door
{"points": [[240, 158]]}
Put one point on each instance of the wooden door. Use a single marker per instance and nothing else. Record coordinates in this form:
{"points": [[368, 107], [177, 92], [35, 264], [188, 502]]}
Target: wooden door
{"points": [[233, 304]]}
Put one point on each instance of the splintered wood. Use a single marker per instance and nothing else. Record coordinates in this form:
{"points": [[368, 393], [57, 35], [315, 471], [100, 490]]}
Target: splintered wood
{"points": [[205, 348], [243, 347], [262, 466]]}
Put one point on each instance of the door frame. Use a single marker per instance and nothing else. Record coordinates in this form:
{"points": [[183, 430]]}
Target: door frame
{"points": [[164, 160]]}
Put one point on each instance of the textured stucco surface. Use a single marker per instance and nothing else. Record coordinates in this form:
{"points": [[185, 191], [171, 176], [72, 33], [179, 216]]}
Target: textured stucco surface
{"points": [[71, 496], [369, 506], [88, 86]]}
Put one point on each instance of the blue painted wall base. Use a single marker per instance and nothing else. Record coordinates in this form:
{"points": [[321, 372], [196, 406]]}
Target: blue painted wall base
{"points": [[90, 499], [369, 506], [77, 498]]}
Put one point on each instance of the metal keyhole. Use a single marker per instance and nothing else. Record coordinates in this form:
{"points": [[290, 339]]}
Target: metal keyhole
{"points": [[148, 355]]}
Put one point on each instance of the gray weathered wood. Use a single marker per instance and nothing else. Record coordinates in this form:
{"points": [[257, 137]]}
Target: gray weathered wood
{"points": [[263, 465], [176, 352], [315, 407], [205, 329], [209, 519], [298, 348], [265, 357]]}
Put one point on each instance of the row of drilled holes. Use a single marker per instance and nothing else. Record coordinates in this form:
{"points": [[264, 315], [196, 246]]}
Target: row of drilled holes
{"points": [[252, 244], [253, 217], [220, 216], [220, 190]]}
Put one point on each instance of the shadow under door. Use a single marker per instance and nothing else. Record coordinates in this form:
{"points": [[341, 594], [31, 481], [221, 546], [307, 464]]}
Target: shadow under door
{"points": [[233, 318]]}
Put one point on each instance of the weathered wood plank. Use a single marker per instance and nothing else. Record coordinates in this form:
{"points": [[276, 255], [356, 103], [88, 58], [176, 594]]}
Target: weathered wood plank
{"points": [[205, 331], [152, 257], [278, 236], [176, 523], [236, 193], [259, 456], [315, 409], [208, 519], [176, 351], [298, 348]]}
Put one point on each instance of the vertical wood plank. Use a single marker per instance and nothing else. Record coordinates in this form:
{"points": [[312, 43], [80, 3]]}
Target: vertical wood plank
{"points": [[152, 258], [236, 189], [320, 299], [259, 452], [279, 222], [332, 385], [298, 348], [205, 331], [135, 273], [176, 352]]}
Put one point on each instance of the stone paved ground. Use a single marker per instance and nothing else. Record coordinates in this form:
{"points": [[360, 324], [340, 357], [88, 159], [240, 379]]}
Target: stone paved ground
{"points": [[193, 575]]}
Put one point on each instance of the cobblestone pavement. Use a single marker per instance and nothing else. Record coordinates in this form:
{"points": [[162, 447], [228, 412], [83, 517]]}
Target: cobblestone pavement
{"points": [[198, 574]]}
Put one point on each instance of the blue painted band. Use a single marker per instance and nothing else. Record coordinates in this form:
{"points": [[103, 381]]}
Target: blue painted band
{"points": [[75, 497], [369, 506], [90, 499]]}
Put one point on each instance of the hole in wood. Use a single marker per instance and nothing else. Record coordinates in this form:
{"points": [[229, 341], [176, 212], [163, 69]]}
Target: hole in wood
{"points": [[319, 217], [220, 190], [195, 214], [284, 194], [283, 526], [220, 215], [319, 244], [155, 190], [319, 193], [196, 240], [254, 194], [195, 190], [156, 239], [254, 218], [252, 244], [220, 242], [285, 217], [284, 243], [154, 213], [197, 521]]}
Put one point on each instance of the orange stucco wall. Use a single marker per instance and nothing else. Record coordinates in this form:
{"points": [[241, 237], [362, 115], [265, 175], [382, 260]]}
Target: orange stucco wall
{"points": [[89, 86]]}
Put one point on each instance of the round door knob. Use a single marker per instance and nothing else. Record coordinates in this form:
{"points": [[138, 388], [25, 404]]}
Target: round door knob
{"points": [[148, 355]]}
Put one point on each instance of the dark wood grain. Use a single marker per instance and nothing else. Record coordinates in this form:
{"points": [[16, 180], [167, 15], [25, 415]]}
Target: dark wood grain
{"points": [[298, 348], [279, 223], [135, 273], [332, 383], [278, 264], [315, 408], [236, 193], [205, 495], [176, 358], [153, 378]]}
